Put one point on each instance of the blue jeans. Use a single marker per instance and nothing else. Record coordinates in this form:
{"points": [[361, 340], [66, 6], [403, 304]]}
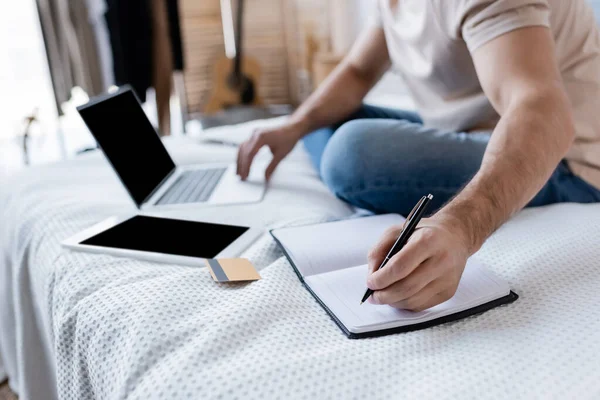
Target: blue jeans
{"points": [[384, 160]]}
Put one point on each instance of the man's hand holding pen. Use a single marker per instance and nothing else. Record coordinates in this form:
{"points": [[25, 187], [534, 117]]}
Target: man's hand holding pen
{"points": [[425, 273]]}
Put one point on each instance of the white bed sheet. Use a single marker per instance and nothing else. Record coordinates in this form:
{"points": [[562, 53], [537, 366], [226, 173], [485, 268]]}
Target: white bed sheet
{"points": [[95, 326]]}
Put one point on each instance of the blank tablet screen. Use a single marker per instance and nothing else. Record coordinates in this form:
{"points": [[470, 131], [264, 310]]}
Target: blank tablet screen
{"points": [[168, 236]]}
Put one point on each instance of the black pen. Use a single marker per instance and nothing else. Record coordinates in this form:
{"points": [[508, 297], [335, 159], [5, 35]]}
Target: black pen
{"points": [[409, 227]]}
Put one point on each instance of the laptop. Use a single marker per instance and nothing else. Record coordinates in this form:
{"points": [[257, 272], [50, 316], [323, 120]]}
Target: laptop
{"points": [[142, 163]]}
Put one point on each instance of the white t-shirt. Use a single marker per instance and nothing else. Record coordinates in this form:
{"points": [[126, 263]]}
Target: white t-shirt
{"points": [[430, 44]]}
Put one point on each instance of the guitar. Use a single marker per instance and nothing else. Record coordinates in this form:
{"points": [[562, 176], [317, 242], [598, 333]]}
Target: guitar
{"points": [[235, 76]]}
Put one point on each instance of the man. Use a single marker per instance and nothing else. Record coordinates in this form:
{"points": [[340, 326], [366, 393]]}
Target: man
{"points": [[508, 94]]}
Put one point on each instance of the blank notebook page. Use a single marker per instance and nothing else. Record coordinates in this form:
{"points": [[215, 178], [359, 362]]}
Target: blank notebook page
{"points": [[342, 290], [322, 248]]}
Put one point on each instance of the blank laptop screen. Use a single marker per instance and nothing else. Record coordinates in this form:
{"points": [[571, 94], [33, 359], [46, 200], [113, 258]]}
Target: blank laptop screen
{"points": [[129, 141]]}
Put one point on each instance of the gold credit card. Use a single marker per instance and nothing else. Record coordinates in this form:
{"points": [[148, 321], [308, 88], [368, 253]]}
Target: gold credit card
{"points": [[232, 270]]}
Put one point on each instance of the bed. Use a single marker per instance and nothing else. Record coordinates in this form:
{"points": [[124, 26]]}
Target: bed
{"points": [[82, 326]]}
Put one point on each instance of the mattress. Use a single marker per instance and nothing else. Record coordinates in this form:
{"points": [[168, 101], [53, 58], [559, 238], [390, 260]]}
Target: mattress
{"points": [[83, 326]]}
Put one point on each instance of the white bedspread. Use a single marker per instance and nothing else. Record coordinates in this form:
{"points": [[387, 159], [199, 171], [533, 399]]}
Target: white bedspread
{"points": [[103, 327]]}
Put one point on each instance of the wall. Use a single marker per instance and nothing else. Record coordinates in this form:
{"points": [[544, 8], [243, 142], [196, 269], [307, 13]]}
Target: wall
{"points": [[596, 6]]}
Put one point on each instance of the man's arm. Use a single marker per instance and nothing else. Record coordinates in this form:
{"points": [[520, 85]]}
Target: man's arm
{"points": [[345, 88], [339, 95], [518, 73]]}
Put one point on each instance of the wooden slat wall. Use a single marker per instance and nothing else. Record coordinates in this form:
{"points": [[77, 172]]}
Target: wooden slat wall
{"points": [[264, 39], [307, 24]]}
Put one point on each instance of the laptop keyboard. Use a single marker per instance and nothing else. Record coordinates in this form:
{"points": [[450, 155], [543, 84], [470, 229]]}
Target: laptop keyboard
{"points": [[194, 186]]}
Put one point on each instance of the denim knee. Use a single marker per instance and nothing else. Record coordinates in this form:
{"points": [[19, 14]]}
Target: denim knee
{"points": [[343, 163]]}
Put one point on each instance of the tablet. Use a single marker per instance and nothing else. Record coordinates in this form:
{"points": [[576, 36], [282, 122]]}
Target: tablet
{"points": [[164, 240]]}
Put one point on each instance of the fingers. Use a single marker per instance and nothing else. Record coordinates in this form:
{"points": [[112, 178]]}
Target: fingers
{"points": [[239, 158], [429, 297], [272, 165], [415, 252], [409, 286], [382, 248], [247, 153]]}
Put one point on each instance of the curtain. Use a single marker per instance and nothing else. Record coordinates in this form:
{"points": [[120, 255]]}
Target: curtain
{"points": [[71, 43]]}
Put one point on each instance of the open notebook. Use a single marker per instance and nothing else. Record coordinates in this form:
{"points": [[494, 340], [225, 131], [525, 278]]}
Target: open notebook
{"points": [[330, 259]]}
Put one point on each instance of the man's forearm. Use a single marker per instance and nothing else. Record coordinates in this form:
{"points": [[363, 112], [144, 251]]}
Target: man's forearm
{"points": [[340, 95], [344, 89], [525, 148]]}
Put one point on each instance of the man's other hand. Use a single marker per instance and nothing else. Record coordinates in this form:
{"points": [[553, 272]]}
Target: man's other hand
{"points": [[280, 141]]}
